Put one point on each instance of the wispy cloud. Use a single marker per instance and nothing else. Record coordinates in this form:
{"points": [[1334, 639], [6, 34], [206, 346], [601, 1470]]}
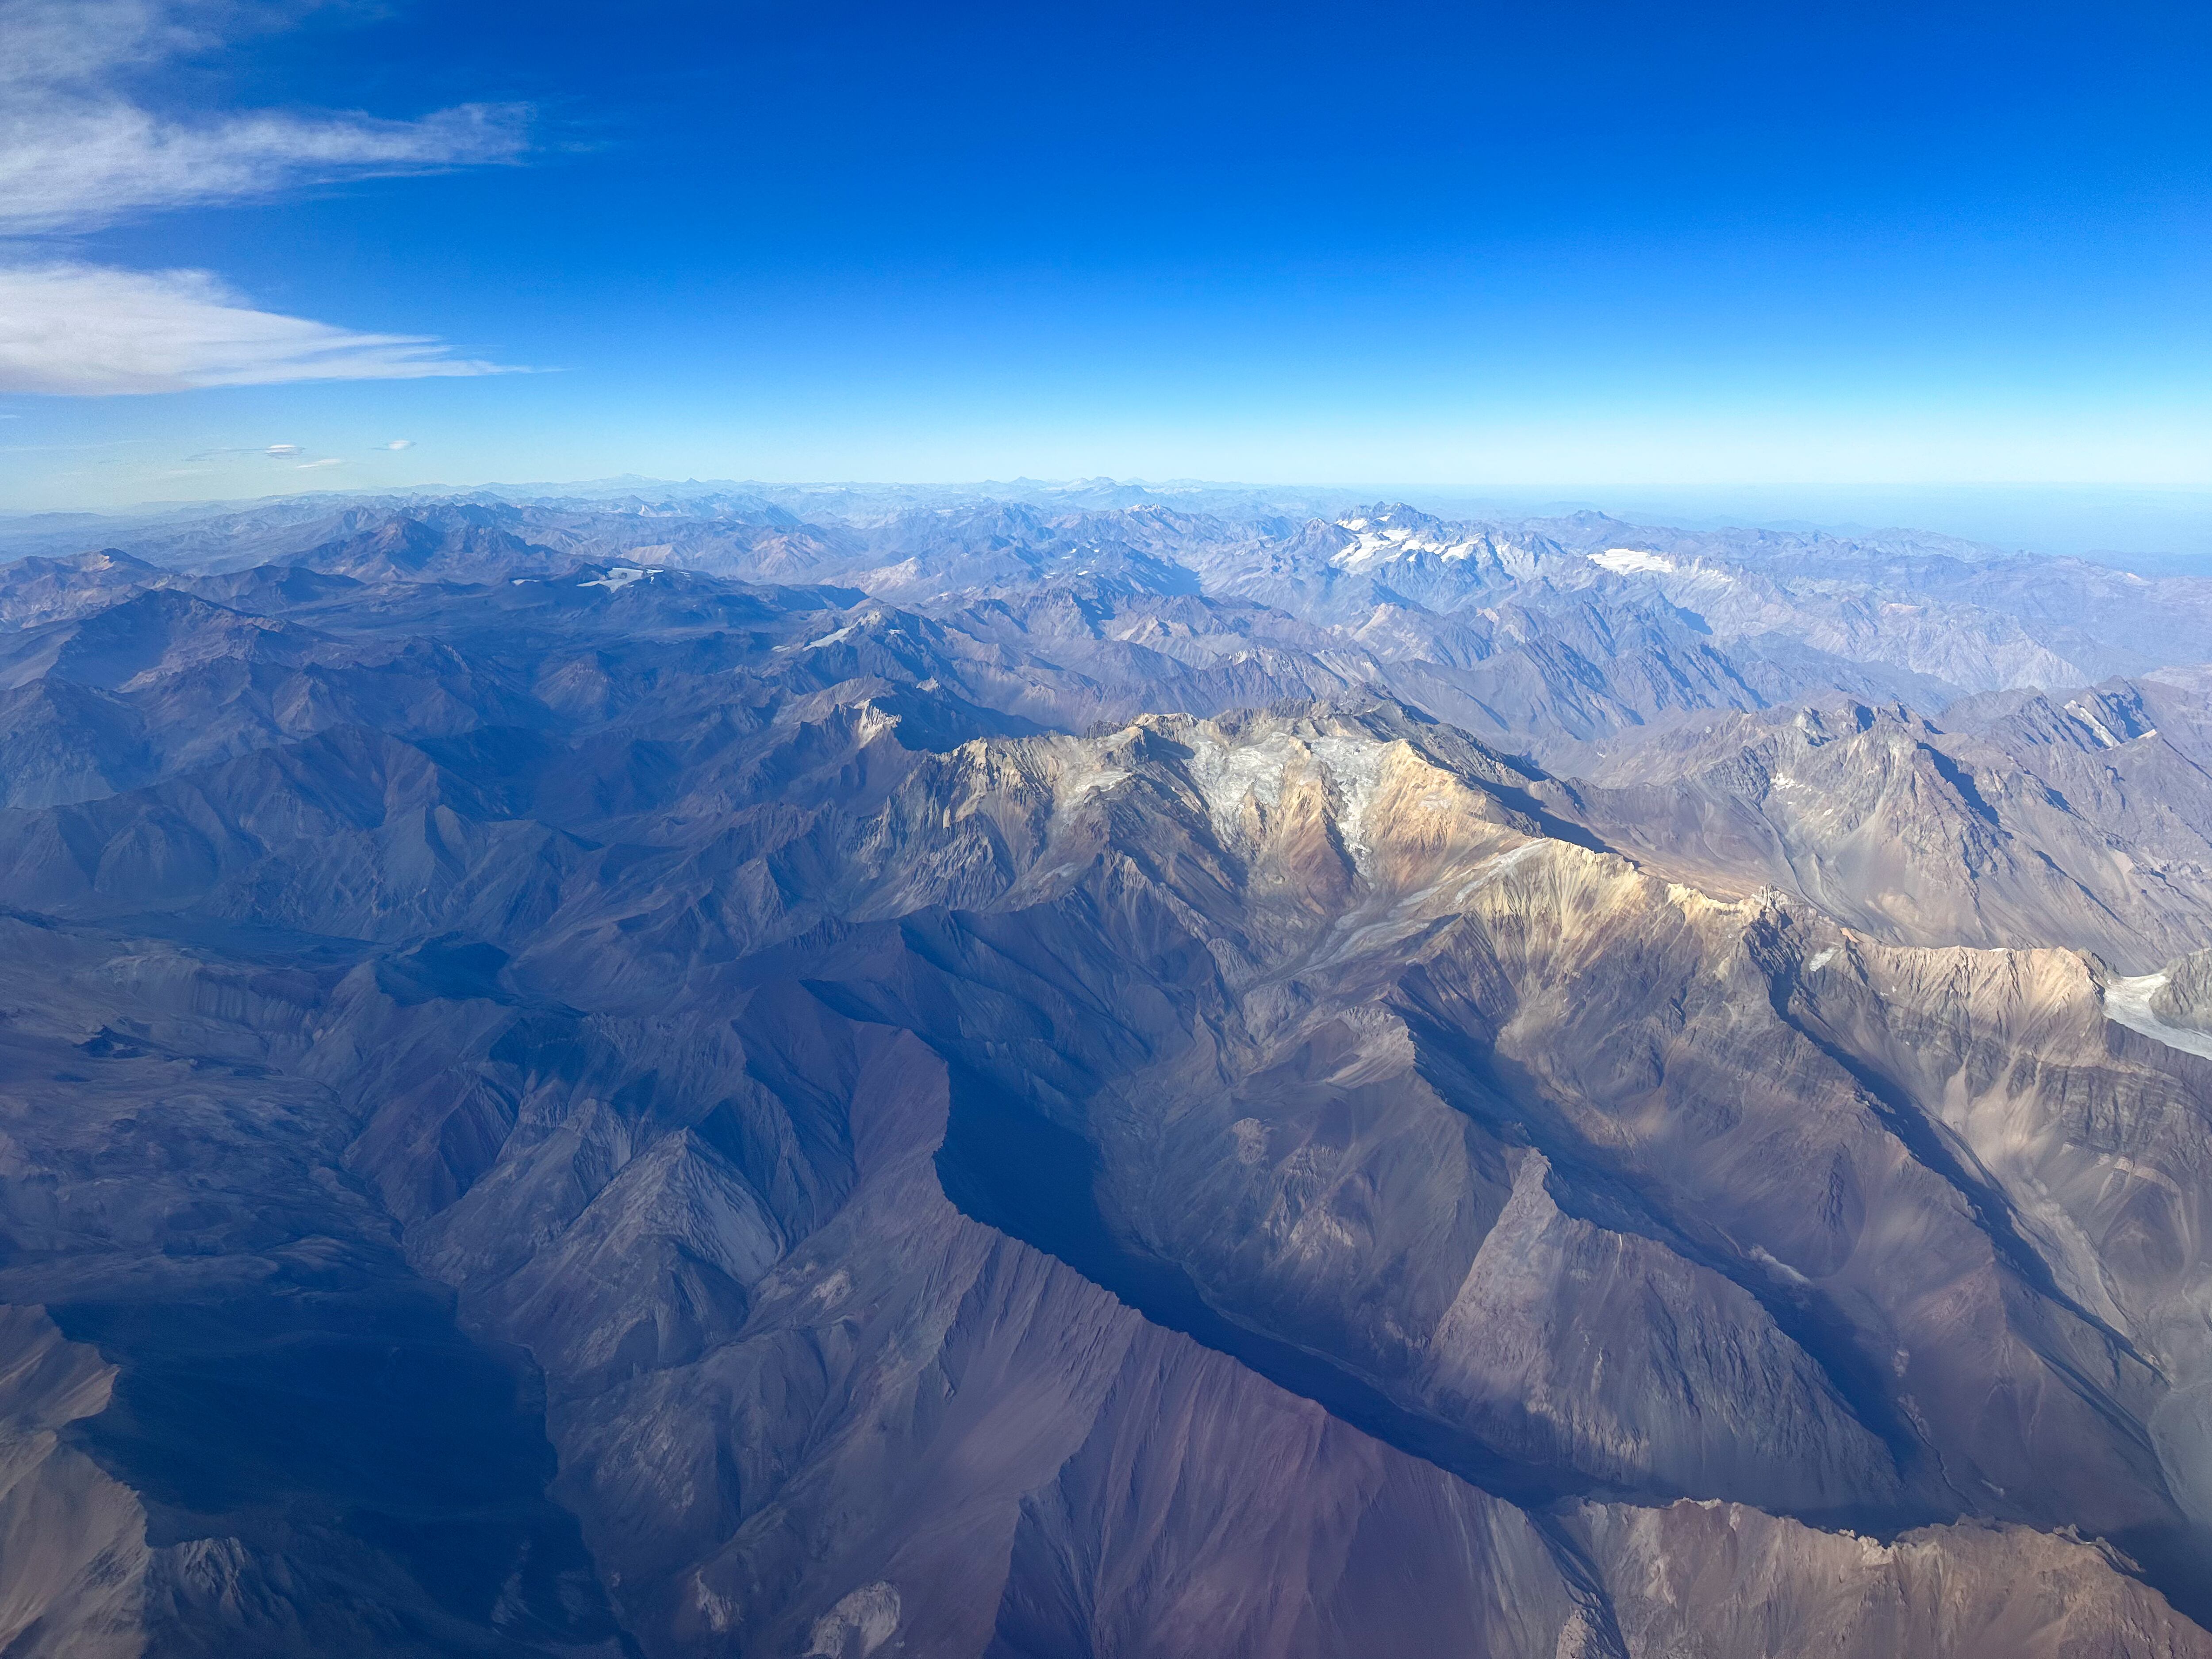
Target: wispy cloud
{"points": [[88, 329], [82, 146], [73, 169], [79, 148], [274, 452]]}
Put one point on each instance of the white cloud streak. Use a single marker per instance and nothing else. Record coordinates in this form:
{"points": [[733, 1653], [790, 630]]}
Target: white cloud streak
{"points": [[77, 168], [67, 44], [89, 331], [78, 150]]}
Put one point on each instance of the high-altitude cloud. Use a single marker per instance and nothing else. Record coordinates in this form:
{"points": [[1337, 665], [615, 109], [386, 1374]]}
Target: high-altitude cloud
{"points": [[82, 145], [86, 167], [89, 330]]}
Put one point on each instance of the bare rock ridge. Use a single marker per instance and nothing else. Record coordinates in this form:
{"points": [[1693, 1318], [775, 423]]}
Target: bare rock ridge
{"points": [[751, 1072]]}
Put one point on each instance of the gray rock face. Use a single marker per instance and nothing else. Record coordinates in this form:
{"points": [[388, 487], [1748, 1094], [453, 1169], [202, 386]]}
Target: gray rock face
{"points": [[2050, 828], [1069, 1088], [2184, 998]]}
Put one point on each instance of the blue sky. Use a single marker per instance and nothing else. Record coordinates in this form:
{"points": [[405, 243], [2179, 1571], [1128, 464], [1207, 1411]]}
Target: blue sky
{"points": [[1481, 247]]}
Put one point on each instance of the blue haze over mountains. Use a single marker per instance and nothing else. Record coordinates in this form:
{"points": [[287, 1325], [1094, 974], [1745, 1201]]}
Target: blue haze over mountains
{"points": [[1094, 1070], [1069, 1068]]}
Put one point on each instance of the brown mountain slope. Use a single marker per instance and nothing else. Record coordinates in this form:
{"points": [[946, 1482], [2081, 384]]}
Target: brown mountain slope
{"points": [[785, 1154]]}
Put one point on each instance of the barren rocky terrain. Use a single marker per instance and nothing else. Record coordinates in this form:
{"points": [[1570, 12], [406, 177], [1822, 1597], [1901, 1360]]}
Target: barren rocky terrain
{"points": [[783, 1073]]}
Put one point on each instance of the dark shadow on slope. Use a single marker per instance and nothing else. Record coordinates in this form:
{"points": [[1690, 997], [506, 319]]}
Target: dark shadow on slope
{"points": [[280, 1411], [447, 967], [2173, 1558], [1006, 1167], [2176, 1561], [1506, 1102], [1902, 1116]]}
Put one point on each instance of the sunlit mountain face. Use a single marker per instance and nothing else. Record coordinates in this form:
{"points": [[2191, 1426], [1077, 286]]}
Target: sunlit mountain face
{"points": [[1096, 1074]]}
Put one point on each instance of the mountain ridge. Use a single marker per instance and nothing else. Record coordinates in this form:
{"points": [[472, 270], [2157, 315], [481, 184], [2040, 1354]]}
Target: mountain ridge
{"points": [[1093, 1082]]}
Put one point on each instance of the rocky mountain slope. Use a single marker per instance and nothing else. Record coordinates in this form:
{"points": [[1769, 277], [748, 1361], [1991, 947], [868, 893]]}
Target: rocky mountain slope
{"points": [[1097, 1079]]}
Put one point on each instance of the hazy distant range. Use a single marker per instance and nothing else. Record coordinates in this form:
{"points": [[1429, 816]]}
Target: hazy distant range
{"points": [[2157, 530], [2149, 528]]}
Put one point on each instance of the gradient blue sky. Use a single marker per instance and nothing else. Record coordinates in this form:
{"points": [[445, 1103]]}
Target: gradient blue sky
{"points": [[1480, 246]]}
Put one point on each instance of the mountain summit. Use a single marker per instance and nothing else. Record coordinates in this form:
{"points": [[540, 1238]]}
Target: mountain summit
{"points": [[1099, 1079]]}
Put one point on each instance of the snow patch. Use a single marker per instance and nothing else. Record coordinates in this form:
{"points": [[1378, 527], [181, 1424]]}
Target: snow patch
{"points": [[1821, 961], [618, 578], [1519, 562], [1354, 766], [2127, 1002], [1633, 562], [2105, 736], [1078, 781], [1227, 774], [1380, 546]]}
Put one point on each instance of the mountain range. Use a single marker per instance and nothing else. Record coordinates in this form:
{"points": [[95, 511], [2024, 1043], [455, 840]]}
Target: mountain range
{"points": [[1091, 1072]]}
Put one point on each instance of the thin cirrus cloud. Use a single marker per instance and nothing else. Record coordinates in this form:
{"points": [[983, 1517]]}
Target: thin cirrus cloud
{"points": [[78, 150], [94, 331], [84, 168]]}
